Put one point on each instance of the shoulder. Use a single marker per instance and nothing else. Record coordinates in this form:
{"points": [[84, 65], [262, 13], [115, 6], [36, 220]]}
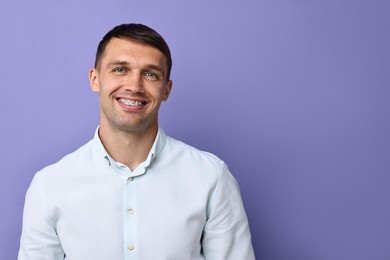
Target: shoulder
{"points": [[69, 162], [185, 160], [180, 150]]}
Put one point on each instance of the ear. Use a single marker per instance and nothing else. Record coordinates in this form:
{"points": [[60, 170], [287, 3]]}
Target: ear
{"points": [[93, 80], [167, 90]]}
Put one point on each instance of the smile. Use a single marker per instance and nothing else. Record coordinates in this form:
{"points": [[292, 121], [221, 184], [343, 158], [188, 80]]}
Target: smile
{"points": [[130, 102]]}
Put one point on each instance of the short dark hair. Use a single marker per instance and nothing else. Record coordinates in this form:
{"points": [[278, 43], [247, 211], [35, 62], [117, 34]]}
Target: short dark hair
{"points": [[138, 33]]}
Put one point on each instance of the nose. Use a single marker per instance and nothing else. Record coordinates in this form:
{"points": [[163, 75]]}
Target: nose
{"points": [[134, 83]]}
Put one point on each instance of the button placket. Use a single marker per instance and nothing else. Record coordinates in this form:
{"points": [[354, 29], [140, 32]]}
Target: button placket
{"points": [[130, 218]]}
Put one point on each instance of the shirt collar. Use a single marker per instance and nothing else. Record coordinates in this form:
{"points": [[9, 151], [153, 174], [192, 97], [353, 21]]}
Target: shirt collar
{"points": [[157, 146]]}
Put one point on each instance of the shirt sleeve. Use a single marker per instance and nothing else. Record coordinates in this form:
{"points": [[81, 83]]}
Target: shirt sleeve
{"points": [[226, 234], [39, 240]]}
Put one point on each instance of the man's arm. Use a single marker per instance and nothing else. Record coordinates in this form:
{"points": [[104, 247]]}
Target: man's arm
{"points": [[226, 234], [39, 240]]}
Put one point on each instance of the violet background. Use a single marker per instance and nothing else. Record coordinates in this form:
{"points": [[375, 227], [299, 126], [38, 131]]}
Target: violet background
{"points": [[292, 94]]}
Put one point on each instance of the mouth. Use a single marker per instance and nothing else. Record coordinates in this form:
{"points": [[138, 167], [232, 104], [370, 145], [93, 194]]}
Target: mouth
{"points": [[131, 103]]}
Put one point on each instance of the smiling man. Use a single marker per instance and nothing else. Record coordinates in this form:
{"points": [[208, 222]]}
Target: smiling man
{"points": [[132, 192]]}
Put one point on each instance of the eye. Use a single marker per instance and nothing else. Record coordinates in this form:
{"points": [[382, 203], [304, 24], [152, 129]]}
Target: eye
{"points": [[151, 75], [119, 69]]}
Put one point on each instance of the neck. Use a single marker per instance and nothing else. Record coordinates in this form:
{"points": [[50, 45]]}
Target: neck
{"points": [[128, 147]]}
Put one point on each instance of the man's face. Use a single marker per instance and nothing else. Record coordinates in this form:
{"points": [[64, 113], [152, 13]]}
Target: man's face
{"points": [[131, 82]]}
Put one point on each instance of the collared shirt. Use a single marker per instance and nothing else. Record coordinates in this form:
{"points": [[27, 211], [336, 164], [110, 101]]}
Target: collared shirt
{"points": [[180, 203]]}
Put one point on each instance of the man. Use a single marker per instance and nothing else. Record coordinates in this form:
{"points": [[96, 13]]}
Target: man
{"points": [[132, 192]]}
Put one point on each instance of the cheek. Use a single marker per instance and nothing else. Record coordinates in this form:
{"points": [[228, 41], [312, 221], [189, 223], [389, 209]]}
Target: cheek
{"points": [[111, 85]]}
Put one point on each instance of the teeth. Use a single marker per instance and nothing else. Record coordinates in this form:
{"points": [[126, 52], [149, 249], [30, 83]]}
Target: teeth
{"points": [[130, 102]]}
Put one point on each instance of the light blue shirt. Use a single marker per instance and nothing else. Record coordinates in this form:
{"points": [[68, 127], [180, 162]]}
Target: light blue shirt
{"points": [[181, 203]]}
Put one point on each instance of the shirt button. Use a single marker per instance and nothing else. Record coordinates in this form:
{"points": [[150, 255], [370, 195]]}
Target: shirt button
{"points": [[130, 211], [130, 179], [130, 247]]}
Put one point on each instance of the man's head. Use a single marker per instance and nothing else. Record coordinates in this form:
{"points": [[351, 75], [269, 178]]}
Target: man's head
{"points": [[138, 33], [131, 77]]}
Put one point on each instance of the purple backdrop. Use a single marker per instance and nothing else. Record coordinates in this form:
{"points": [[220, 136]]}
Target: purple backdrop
{"points": [[293, 95]]}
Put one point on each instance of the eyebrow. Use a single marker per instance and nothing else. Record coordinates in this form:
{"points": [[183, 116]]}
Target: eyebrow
{"points": [[154, 67], [117, 62]]}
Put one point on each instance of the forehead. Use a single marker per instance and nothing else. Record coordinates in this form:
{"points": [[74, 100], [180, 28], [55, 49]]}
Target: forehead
{"points": [[131, 51]]}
